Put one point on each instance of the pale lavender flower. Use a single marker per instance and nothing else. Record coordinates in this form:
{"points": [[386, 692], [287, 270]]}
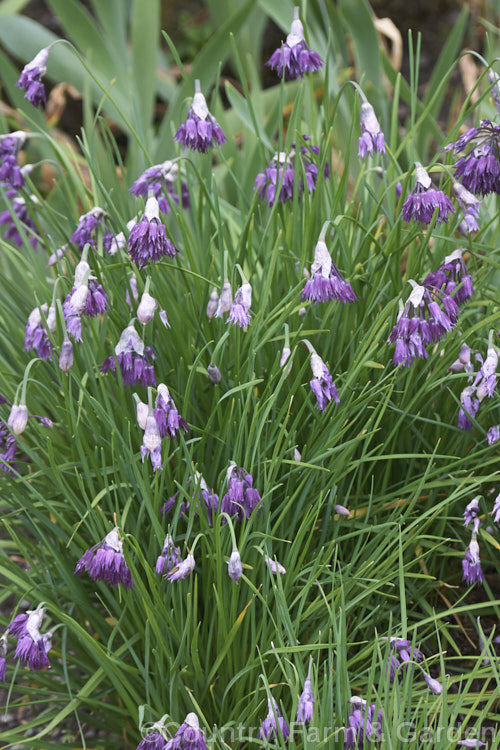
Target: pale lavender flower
{"points": [[495, 513], [305, 708], [105, 562], [87, 297], [30, 80], [486, 379], [471, 564], [463, 362], [241, 498], [19, 209], [36, 336], [201, 130], [148, 239], [133, 287], [189, 736], [170, 422], [147, 308], [214, 374], [471, 743], [273, 720], [423, 201], [32, 647], [151, 443], [162, 179], [433, 685], [182, 569], [3, 654], [134, 359], [471, 515], [54, 257], [212, 304], [18, 418], [401, 653], [343, 511], [372, 137], [86, 231], [295, 57], [274, 566], [469, 408], [239, 313], [169, 557], [119, 241], [469, 204], [225, 300], [66, 356], [478, 170], [322, 384], [285, 356], [234, 567], [452, 278], [493, 435], [326, 281]]}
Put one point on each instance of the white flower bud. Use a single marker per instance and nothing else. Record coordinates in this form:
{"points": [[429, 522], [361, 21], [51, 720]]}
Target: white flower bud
{"points": [[146, 309], [18, 418]]}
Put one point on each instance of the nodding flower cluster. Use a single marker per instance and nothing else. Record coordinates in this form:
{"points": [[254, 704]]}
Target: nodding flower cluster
{"points": [[188, 737], [32, 647], [277, 181], [202, 496], [134, 359], [364, 725], [326, 282], [165, 182], [483, 384], [201, 130], [162, 421], [294, 57], [105, 562]]}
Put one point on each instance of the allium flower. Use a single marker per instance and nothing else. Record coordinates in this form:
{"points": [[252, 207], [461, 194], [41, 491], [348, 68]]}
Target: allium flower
{"points": [[401, 653], [169, 557], [11, 143], [239, 314], [20, 210], [18, 418], [162, 179], [148, 238], [343, 511], [486, 379], [189, 736], [372, 137], [202, 495], [274, 567], [471, 564], [86, 231], [3, 654], [36, 336], [470, 207], [234, 567], [433, 685], [214, 373], [471, 743], [134, 359], [66, 356], [135, 294], [495, 513], [87, 297], [170, 422], [30, 79], [119, 241], [12, 176], [32, 647], [8, 450], [273, 720], [463, 362], [281, 173], [294, 57], [105, 562], [212, 304], [493, 435], [225, 300], [147, 308], [154, 740], [326, 281], [478, 170], [423, 201], [201, 130], [452, 278], [361, 724], [306, 701], [241, 498], [151, 443], [322, 384], [471, 515], [428, 322], [182, 569], [469, 408]]}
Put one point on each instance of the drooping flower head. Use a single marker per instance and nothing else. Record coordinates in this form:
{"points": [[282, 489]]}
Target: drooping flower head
{"points": [[202, 496], [170, 422], [361, 724], [19, 209], [273, 720], [305, 709], [452, 278], [148, 239], [163, 180], [36, 336], [493, 435], [239, 313], [295, 57], [154, 739], [280, 173], [326, 282], [147, 308], [486, 379], [495, 512], [105, 562], [273, 566], [182, 570], [469, 204], [372, 138], [30, 79], [471, 564], [471, 515], [322, 384], [11, 174], [18, 418], [88, 226], [433, 685], [119, 241], [225, 300], [169, 557], [241, 498], [151, 443], [212, 304], [87, 297], [32, 647], [479, 169], [469, 407], [201, 130], [463, 361], [134, 359], [425, 199], [401, 653], [234, 566], [8, 450], [189, 736]]}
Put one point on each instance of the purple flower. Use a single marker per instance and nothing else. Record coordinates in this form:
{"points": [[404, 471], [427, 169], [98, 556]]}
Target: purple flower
{"points": [[148, 238], [87, 297], [234, 567], [341, 510], [486, 379], [495, 513], [154, 740], [8, 450], [361, 724], [471, 564], [151, 443], [30, 79], [214, 373], [225, 300], [212, 304], [239, 314], [463, 362], [294, 57], [66, 356], [201, 130], [170, 422], [478, 170], [423, 201], [182, 569], [471, 514], [189, 736], [3, 654], [281, 173], [470, 207], [32, 647], [306, 701], [401, 653], [471, 743], [452, 278], [86, 231], [36, 336], [274, 567], [169, 557], [241, 498], [326, 281], [322, 384], [134, 359], [372, 137], [273, 720], [19, 209], [105, 562], [119, 241], [493, 435], [469, 408], [433, 685], [202, 494], [11, 143], [162, 179]]}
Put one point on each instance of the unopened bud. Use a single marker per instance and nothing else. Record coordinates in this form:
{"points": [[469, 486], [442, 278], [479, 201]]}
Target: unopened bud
{"points": [[212, 305], [146, 309], [66, 356], [234, 567], [214, 374], [225, 300], [18, 418]]}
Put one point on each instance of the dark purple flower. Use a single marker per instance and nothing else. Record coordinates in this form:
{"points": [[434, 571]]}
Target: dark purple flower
{"points": [[478, 170], [170, 422], [326, 281], [322, 384], [201, 130], [169, 557], [162, 179], [19, 209], [105, 562], [239, 314], [189, 736], [30, 79], [372, 137], [32, 647], [273, 720], [471, 564], [87, 297], [493, 435], [181, 570], [452, 278], [281, 173], [471, 514], [234, 566], [306, 701], [294, 57], [154, 740], [36, 336], [86, 231], [148, 238], [134, 359], [241, 498], [11, 143], [423, 201]]}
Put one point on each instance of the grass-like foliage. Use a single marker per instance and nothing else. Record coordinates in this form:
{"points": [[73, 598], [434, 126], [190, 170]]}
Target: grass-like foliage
{"points": [[361, 500]]}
